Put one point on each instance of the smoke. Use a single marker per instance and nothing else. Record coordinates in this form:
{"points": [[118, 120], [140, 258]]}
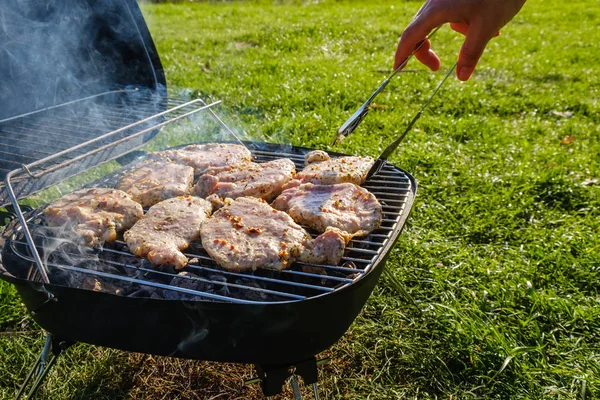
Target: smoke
{"points": [[63, 246], [57, 51]]}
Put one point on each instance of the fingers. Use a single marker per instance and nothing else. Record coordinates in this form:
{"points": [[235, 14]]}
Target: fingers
{"points": [[416, 32], [477, 38], [460, 28], [464, 28], [426, 56]]}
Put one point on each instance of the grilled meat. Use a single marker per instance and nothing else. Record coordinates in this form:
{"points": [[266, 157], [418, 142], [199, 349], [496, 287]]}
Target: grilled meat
{"points": [[167, 228], [204, 156], [264, 180], [321, 169], [97, 215], [344, 206], [247, 234], [154, 181], [315, 156], [99, 285]]}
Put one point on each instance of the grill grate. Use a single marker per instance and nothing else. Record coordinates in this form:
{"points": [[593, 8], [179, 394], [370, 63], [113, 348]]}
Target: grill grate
{"points": [[206, 280]]}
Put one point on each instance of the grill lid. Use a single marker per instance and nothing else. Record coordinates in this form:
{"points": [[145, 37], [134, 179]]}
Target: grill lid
{"points": [[57, 51], [79, 75]]}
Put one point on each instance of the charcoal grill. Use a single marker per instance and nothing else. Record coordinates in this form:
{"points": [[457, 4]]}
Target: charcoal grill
{"points": [[278, 321]]}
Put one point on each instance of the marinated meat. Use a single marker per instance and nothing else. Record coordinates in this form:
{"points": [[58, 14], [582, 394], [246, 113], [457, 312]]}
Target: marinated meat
{"points": [[264, 180], [98, 285], [247, 234], [204, 156], [321, 169], [155, 181], [315, 156], [344, 206], [97, 215], [167, 228]]}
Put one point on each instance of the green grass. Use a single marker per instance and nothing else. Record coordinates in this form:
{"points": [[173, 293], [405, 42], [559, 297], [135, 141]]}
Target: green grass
{"points": [[493, 289]]}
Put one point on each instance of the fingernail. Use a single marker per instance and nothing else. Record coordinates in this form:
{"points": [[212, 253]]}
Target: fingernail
{"points": [[464, 73]]}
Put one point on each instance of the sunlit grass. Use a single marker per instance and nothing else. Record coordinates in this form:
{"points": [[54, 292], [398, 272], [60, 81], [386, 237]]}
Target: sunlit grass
{"points": [[493, 289]]}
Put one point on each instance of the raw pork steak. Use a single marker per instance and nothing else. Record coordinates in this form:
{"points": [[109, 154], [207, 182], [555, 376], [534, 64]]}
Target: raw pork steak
{"points": [[167, 228], [97, 215], [204, 156], [345, 206], [264, 180], [247, 234]]}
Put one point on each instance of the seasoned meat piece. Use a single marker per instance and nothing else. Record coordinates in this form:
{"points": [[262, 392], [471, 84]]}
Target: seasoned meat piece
{"points": [[315, 156], [154, 181], [97, 215], [323, 170], [345, 206], [264, 180], [204, 156], [96, 284], [167, 228], [247, 234]]}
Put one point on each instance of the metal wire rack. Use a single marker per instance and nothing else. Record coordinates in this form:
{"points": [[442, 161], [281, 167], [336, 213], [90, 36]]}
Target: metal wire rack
{"points": [[42, 148], [205, 280]]}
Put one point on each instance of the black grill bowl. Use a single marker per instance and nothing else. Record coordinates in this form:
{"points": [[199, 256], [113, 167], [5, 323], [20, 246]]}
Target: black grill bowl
{"points": [[283, 333], [264, 333]]}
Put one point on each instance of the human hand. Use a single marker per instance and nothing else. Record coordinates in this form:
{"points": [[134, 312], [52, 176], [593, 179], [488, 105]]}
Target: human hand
{"points": [[478, 20]]}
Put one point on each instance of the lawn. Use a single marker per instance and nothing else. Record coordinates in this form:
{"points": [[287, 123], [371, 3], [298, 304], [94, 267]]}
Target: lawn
{"points": [[492, 291]]}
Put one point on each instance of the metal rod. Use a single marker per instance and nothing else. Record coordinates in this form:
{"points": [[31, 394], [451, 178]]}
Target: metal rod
{"points": [[388, 189], [315, 391], [36, 365], [296, 387], [17, 209], [68, 103], [262, 278], [363, 251], [225, 126], [392, 146], [24, 132], [355, 119], [112, 144], [279, 154], [109, 134], [41, 376]]}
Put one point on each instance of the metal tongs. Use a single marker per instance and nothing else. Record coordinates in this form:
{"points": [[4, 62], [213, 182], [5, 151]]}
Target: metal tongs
{"points": [[352, 123]]}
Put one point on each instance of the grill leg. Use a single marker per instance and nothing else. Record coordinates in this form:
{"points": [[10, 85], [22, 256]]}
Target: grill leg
{"points": [[46, 360], [315, 391], [296, 388], [37, 365], [41, 376], [273, 377]]}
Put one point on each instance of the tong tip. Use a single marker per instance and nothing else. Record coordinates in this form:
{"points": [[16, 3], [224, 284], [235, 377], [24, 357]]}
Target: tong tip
{"points": [[338, 139]]}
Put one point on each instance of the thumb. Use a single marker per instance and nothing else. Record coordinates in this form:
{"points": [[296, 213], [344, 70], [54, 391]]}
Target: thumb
{"points": [[472, 49]]}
